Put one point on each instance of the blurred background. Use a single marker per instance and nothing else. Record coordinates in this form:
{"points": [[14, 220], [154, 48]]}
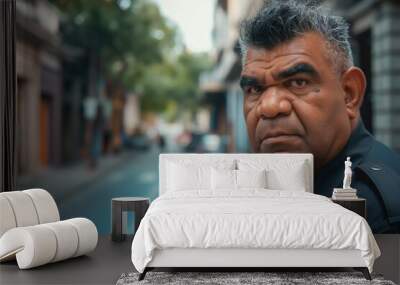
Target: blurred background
{"points": [[104, 86]]}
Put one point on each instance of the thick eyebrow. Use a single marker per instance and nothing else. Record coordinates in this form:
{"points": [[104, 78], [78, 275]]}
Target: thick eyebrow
{"points": [[248, 81], [296, 69]]}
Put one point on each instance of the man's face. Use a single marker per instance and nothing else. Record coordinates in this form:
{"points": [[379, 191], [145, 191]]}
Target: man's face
{"points": [[294, 100]]}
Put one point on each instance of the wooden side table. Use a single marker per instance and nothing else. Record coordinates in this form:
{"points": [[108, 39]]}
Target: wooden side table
{"points": [[358, 205], [138, 205]]}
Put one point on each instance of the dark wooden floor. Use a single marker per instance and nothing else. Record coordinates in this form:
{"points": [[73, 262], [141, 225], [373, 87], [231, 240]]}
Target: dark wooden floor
{"points": [[110, 259], [102, 266]]}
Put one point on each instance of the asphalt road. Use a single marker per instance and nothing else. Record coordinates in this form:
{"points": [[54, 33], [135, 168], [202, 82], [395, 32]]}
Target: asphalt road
{"points": [[136, 177]]}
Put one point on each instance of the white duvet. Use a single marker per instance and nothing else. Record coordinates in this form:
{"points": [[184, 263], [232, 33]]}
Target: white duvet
{"points": [[252, 218]]}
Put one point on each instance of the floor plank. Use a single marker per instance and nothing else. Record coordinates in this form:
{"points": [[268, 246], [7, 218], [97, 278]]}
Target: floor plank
{"points": [[102, 266]]}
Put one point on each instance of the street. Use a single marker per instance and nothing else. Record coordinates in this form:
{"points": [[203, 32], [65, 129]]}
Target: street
{"points": [[136, 177]]}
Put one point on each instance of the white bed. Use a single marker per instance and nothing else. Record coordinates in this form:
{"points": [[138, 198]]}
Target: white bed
{"points": [[249, 227]]}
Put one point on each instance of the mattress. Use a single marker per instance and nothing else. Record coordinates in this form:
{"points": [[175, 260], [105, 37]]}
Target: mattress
{"points": [[251, 219]]}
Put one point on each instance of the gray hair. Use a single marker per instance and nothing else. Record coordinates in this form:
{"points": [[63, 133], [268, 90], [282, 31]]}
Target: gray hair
{"points": [[281, 21]]}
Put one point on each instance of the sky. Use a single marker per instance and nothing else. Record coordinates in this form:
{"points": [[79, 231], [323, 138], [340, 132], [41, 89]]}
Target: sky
{"points": [[194, 19]]}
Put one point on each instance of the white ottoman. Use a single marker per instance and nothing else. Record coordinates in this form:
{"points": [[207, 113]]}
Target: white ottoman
{"points": [[31, 232]]}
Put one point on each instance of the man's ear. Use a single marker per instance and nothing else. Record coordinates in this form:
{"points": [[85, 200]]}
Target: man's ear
{"points": [[354, 84]]}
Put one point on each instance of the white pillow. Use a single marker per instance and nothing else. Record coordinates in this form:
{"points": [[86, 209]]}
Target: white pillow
{"points": [[187, 177], [292, 179], [251, 178], [193, 174], [228, 179], [285, 174], [223, 179]]}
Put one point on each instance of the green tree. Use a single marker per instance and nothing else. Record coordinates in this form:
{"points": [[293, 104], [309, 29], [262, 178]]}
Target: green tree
{"points": [[120, 37], [174, 80], [131, 43]]}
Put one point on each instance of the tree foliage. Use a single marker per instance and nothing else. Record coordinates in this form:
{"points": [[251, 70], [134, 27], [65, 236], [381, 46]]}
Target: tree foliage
{"points": [[136, 46], [123, 38], [174, 80]]}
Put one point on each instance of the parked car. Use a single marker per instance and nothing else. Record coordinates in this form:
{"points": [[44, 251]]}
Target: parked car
{"points": [[138, 142], [206, 142], [195, 142]]}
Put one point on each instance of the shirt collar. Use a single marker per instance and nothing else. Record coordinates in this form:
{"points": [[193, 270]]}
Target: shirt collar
{"points": [[359, 143]]}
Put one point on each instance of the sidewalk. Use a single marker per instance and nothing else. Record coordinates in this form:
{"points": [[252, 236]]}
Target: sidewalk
{"points": [[64, 181]]}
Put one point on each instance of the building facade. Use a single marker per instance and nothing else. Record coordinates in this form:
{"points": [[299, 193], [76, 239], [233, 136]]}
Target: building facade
{"points": [[39, 81], [221, 85], [375, 31]]}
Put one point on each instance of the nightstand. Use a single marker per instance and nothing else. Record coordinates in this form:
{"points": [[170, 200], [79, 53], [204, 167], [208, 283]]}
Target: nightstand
{"points": [[358, 205], [119, 206]]}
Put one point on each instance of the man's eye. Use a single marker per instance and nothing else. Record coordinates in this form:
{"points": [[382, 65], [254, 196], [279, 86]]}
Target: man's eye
{"points": [[254, 90], [298, 83]]}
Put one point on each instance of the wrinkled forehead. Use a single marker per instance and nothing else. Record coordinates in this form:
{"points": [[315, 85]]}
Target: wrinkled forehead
{"points": [[309, 48]]}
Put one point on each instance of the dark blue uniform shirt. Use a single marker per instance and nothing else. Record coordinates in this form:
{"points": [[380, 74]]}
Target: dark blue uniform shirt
{"points": [[376, 176]]}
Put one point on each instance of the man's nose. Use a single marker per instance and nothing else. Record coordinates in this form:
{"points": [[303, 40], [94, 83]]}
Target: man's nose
{"points": [[273, 103]]}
